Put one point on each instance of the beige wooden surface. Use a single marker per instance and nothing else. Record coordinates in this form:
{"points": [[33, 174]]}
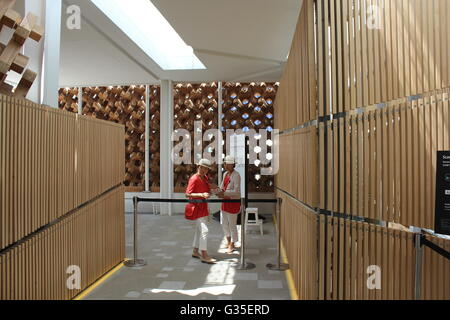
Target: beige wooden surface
{"points": [[91, 238], [377, 161]]}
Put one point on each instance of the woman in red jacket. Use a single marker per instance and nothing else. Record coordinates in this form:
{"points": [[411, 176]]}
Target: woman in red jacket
{"points": [[198, 189], [231, 189]]}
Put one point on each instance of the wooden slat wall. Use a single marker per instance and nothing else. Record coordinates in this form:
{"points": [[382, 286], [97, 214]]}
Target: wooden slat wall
{"points": [[91, 238], [388, 147], [380, 101], [435, 275], [356, 246], [360, 65], [52, 161], [299, 163], [126, 105], [299, 225], [296, 98]]}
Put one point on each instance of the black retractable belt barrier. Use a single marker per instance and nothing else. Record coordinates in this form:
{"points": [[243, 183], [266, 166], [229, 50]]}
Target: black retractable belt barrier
{"points": [[278, 266], [434, 247], [419, 242], [135, 262], [186, 200]]}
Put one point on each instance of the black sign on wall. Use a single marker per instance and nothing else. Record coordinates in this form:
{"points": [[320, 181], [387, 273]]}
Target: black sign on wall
{"points": [[442, 221]]}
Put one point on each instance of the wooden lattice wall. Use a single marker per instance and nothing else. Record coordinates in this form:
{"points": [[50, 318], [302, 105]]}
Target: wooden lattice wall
{"points": [[194, 102], [245, 105], [124, 105], [68, 99], [250, 106]]}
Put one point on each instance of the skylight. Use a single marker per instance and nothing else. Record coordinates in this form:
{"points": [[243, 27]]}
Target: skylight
{"points": [[142, 22]]}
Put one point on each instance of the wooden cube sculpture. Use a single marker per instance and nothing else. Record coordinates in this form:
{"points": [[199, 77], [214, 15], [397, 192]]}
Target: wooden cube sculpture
{"points": [[10, 56]]}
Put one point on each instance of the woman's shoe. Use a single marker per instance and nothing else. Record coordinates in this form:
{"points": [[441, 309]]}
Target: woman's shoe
{"points": [[196, 256], [231, 250], [209, 260]]}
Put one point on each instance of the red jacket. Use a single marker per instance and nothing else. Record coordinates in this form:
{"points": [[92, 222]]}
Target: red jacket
{"points": [[194, 211]]}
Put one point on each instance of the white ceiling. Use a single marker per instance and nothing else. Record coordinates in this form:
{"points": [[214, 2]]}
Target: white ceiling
{"points": [[237, 40]]}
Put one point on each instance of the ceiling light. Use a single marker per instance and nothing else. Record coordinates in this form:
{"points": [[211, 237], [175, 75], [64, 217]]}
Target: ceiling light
{"points": [[142, 22]]}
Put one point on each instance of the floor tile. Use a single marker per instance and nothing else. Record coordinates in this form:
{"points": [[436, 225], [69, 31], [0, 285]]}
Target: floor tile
{"points": [[133, 294], [246, 276], [168, 243], [168, 269], [165, 277], [188, 269], [270, 284], [172, 285]]}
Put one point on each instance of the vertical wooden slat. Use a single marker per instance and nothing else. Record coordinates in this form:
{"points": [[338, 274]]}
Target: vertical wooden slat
{"points": [[397, 165], [346, 226], [321, 291], [36, 149]]}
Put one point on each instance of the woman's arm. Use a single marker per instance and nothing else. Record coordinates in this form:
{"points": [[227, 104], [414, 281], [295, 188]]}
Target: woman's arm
{"points": [[235, 192], [205, 195]]}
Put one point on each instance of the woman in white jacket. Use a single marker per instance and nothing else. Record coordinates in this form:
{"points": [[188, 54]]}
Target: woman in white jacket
{"points": [[231, 189]]}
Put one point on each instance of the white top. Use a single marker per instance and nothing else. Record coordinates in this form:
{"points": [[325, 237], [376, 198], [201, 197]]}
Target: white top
{"points": [[234, 187]]}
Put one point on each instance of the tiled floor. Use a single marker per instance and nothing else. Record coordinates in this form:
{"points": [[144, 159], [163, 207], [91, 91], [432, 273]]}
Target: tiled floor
{"points": [[171, 273]]}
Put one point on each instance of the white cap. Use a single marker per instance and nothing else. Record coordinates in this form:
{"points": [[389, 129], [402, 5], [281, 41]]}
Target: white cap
{"points": [[205, 163], [229, 160]]}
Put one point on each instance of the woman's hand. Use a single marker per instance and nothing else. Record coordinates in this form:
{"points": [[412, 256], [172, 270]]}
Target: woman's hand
{"points": [[206, 195], [220, 194], [213, 186]]}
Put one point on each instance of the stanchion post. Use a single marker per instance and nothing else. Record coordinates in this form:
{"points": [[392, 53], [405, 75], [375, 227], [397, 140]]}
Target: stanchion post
{"points": [[135, 262], [278, 266], [418, 275], [243, 265]]}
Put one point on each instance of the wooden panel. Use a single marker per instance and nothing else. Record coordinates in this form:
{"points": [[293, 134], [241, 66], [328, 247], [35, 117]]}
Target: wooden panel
{"points": [[36, 269], [382, 114], [302, 260], [40, 186]]}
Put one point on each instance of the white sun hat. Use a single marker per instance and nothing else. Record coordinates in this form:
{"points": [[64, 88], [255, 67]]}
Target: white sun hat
{"points": [[205, 163], [229, 160]]}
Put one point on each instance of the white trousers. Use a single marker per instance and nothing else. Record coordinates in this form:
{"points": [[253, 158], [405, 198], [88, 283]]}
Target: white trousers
{"points": [[229, 227], [201, 234]]}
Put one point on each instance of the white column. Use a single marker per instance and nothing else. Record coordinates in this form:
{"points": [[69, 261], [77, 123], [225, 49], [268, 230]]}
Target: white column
{"points": [[52, 43], [80, 100], [166, 125], [147, 138], [219, 124]]}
